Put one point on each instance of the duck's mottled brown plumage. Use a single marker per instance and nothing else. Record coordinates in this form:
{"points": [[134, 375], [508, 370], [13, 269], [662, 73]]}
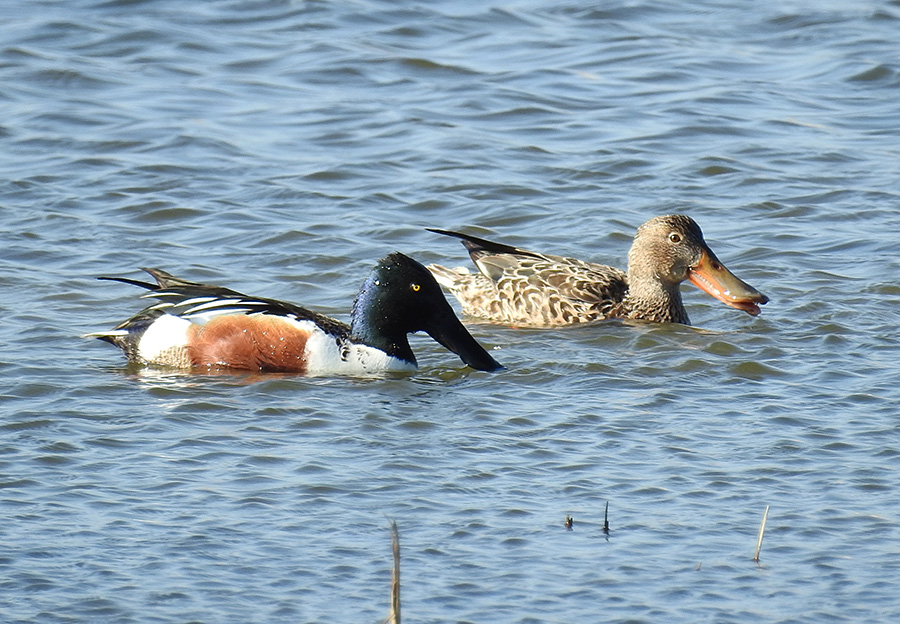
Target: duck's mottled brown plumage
{"points": [[524, 288]]}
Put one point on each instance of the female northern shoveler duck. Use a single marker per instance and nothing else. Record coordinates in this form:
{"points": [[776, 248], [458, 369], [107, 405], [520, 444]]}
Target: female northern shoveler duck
{"points": [[201, 326], [524, 288]]}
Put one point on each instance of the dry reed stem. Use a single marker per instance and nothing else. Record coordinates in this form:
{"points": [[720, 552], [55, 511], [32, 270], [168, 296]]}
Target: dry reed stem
{"points": [[394, 615], [762, 530]]}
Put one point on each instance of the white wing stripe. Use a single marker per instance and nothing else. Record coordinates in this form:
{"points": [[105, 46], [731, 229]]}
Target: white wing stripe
{"points": [[206, 315], [196, 301], [205, 303]]}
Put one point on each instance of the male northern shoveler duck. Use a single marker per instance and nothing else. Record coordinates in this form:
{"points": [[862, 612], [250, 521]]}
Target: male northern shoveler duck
{"points": [[524, 288], [202, 326]]}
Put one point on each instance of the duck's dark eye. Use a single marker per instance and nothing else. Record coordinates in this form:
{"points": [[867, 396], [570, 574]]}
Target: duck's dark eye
{"points": [[675, 237], [415, 287]]}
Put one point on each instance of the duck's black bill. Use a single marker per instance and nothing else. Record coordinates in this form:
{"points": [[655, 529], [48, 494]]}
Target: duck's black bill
{"points": [[453, 335]]}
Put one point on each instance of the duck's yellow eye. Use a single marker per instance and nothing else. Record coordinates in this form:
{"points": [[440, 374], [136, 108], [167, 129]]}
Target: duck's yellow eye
{"points": [[675, 237], [416, 287]]}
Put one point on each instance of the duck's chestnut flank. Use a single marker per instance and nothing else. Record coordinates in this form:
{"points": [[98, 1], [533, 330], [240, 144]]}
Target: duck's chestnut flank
{"points": [[260, 342]]}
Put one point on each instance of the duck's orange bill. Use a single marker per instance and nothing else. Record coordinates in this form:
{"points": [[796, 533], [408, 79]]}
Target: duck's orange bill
{"points": [[711, 276]]}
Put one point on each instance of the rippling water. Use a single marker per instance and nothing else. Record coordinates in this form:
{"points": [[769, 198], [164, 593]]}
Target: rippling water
{"points": [[281, 147]]}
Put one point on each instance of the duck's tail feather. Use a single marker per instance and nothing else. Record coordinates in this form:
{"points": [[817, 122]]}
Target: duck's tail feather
{"points": [[479, 246]]}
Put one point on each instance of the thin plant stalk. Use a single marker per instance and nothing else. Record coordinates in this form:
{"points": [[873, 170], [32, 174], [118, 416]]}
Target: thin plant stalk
{"points": [[762, 530], [394, 615]]}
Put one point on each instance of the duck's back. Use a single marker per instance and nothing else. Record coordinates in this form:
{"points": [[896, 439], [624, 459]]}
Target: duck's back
{"points": [[535, 290]]}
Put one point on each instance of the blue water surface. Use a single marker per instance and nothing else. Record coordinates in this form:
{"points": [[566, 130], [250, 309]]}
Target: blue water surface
{"points": [[281, 147]]}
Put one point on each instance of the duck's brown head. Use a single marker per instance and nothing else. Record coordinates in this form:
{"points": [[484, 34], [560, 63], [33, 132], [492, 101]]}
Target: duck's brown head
{"points": [[670, 249]]}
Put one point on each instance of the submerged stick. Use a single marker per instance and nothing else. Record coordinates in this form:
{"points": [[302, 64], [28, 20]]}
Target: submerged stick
{"points": [[394, 615], [762, 530], [606, 519]]}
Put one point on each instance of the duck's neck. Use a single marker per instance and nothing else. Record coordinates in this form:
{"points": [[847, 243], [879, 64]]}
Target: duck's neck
{"points": [[653, 300], [373, 326], [396, 346]]}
